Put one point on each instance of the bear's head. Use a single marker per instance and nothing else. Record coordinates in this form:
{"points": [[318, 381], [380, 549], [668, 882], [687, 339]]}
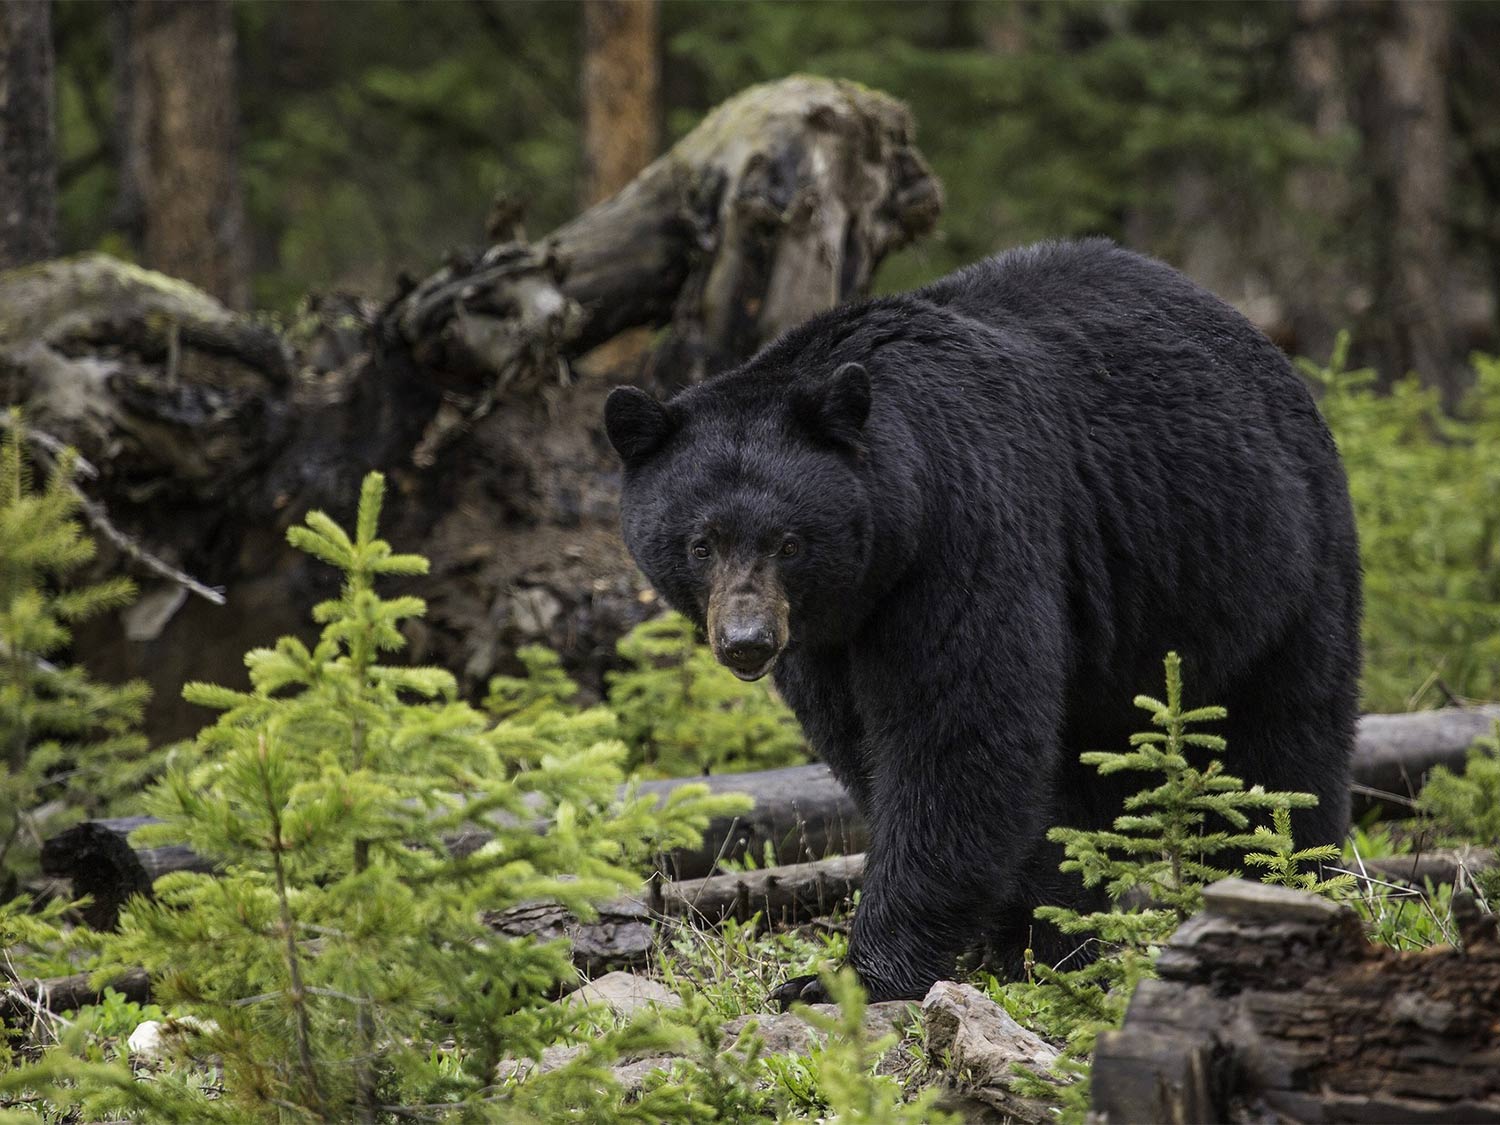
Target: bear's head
{"points": [[744, 504]]}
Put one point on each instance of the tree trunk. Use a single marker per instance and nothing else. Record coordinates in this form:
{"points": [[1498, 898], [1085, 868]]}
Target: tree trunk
{"points": [[1317, 271], [1273, 1006], [621, 93], [1407, 131], [182, 144], [28, 149]]}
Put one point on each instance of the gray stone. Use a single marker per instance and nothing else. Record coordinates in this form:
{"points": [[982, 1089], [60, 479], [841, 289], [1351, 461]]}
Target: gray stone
{"points": [[979, 1044], [788, 1033], [624, 994]]}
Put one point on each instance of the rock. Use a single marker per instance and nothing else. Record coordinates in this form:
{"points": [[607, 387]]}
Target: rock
{"points": [[624, 994], [789, 1034], [978, 1044], [156, 1039]]}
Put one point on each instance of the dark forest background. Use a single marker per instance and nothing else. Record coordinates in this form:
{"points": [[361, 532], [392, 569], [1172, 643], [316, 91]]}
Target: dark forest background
{"points": [[1324, 165]]}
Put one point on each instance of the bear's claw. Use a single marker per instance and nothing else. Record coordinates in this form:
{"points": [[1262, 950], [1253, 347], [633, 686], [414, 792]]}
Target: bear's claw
{"points": [[803, 990]]}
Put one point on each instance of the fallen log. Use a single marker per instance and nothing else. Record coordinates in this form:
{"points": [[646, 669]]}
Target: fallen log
{"points": [[1454, 866], [1395, 752], [791, 893], [1272, 1005], [621, 937], [23, 1000], [801, 813], [758, 217]]}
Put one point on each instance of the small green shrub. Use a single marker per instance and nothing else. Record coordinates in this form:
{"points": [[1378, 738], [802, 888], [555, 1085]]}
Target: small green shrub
{"points": [[1162, 851], [339, 958], [838, 1081], [70, 742], [545, 687], [682, 713], [679, 711], [1283, 860], [1466, 807], [1426, 493]]}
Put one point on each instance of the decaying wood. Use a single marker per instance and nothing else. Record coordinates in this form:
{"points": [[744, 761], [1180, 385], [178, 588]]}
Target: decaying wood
{"points": [[1455, 866], [621, 937], [805, 817], [1273, 1006], [800, 814], [212, 432], [790, 893], [21, 1000], [96, 857], [779, 204]]}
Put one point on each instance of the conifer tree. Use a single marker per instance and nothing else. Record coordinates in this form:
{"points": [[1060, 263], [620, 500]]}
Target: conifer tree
{"points": [[69, 741], [341, 942], [1165, 848], [683, 713], [1283, 860]]}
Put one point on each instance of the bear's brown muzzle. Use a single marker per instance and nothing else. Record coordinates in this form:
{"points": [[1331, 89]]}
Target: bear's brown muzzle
{"points": [[747, 616]]}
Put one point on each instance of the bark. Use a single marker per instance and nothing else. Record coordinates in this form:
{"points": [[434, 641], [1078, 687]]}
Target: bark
{"points": [[620, 938], [800, 814], [1272, 1005], [28, 149], [791, 893], [471, 391], [621, 93], [1406, 125], [182, 144], [1455, 867], [1317, 266], [21, 1000]]}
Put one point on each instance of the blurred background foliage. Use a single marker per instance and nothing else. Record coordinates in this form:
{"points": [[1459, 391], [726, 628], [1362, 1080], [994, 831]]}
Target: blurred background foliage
{"points": [[376, 134], [1328, 166]]}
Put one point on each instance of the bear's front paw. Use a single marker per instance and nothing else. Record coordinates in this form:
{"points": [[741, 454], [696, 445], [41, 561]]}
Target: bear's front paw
{"points": [[805, 990]]}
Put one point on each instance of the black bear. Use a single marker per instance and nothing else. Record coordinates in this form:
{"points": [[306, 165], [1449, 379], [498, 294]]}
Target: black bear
{"points": [[964, 525]]}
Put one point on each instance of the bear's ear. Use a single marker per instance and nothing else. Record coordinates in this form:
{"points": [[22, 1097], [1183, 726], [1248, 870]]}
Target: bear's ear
{"points": [[636, 423], [836, 408]]}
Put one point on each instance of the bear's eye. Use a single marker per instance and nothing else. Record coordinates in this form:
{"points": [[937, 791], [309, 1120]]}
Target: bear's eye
{"points": [[789, 548], [699, 550]]}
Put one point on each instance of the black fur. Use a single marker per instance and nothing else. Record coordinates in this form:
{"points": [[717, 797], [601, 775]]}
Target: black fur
{"points": [[1064, 462]]}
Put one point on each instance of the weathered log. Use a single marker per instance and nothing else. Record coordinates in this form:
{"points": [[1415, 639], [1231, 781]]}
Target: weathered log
{"points": [[1455, 866], [22, 1000], [1395, 752], [790, 893], [1272, 1005], [212, 433], [780, 203], [800, 814], [621, 937]]}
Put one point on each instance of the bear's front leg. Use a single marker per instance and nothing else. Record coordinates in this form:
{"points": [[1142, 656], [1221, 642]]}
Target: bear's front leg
{"points": [[962, 766]]}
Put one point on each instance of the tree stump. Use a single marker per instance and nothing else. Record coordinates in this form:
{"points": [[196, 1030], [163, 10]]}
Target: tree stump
{"points": [[1273, 1006]]}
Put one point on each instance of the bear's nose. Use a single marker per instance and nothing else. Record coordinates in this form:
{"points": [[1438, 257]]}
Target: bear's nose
{"points": [[747, 648]]}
